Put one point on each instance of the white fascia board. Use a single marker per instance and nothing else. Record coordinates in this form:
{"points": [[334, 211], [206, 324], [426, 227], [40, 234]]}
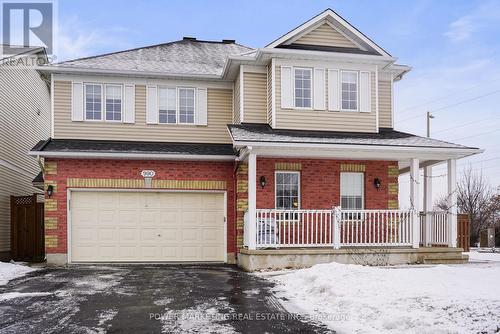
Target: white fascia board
{"points": [[116, 79], [146, 74], [324, 55], [132, 156], [358, 151]]}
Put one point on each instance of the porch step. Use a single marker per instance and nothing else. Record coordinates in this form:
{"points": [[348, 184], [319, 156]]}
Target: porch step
{"points": [[447, 258]]}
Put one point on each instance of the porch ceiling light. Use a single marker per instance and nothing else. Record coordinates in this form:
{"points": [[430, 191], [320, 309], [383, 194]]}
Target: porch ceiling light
{"points": [[262, 181], [377, 183], [50, 190]]}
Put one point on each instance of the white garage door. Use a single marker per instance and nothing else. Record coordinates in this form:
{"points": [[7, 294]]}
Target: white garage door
{"points": [[147, 226]]}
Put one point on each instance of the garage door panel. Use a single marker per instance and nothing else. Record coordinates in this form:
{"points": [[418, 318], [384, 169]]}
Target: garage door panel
{"points": [[128, 235], [106, 234], [147, 226]]}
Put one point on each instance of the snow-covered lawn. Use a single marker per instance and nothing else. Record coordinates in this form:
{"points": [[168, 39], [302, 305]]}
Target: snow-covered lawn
{"points": [[9, 271], [474, 255], [416, 299]]}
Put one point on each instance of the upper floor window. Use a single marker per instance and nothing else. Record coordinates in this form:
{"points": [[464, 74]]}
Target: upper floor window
{"points": [[287, 190], [186, 105], [168, 105], [349, 90], [303, 83], [351, 191], [93, 101], [113, 103]]}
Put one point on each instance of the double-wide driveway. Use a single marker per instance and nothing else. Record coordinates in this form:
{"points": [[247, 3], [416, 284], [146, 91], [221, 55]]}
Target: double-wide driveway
{"points": [[145, 299]]}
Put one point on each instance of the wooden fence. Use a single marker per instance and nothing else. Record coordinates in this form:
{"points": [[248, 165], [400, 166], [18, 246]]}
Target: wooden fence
{"points": [[463, 231], [27, 230]]}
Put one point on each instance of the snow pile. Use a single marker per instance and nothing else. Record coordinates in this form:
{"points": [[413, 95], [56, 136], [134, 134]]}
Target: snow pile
{"points": [[9, 271], [353, 298]]}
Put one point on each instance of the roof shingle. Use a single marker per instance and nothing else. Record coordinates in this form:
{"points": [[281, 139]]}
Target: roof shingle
{"points": [[180, 57], [112, 146], [386, 137]]}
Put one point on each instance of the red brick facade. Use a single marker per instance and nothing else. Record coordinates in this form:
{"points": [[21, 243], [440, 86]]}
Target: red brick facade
{"points": [[320, 183], [320, 186], [128, 169]]}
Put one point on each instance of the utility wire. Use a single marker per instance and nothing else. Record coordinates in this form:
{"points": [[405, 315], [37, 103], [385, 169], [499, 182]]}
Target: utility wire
{"points": [[453, 105], [467, 124], [404, 110], [476, 135]]}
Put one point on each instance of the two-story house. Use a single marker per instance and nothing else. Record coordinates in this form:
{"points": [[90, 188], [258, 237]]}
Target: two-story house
{"points": [[204, 151], [24, 120]]}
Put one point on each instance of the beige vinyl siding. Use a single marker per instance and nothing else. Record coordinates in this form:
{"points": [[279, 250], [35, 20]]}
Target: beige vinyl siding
{"points": [[24, 120], [270, 94], [325, 35], [11, 184], [385, 104], [255, 97], [236, 101], [23, 94], [219, 115], [320, 120]]}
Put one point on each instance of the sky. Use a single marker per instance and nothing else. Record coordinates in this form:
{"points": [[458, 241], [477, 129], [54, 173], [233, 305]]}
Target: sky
{"points": [[452, 46]]}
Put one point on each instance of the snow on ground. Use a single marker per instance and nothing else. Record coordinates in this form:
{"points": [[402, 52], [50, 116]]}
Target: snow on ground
{"points": [[208, 317], [12, 295], [9, 271], [416, 299], [474, 255]]}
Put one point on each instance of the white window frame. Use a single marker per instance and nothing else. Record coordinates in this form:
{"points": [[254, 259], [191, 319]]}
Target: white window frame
{"points": [[176, 104], [357, 90], [276, 188], [105, 105], [179, 109], [85, 102], [362, 189], [311, 70]]}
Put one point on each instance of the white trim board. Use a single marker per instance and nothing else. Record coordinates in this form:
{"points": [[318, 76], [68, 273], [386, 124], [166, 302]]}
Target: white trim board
{"points": [[154, 156]]}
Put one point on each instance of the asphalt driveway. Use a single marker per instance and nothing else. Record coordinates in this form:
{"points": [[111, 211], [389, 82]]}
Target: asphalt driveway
{"points": [[145, 299]]}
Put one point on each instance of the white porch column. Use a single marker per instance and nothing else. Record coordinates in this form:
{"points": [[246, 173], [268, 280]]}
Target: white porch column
{"points": [[427, 204], [452, 202], [252, 199], [414, 200]]}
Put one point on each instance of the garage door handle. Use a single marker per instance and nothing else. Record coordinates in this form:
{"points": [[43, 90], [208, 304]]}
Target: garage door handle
{"points": [[159, 235]]}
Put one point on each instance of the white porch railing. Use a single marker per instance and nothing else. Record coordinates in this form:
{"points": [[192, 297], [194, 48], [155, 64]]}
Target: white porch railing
{"points": [[331, 228], [434, 228], [375, 228], [294, 228]]}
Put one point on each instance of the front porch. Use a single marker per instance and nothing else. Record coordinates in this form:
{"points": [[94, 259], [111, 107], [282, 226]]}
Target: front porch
{"points": [[320, 196], [301, 238]]}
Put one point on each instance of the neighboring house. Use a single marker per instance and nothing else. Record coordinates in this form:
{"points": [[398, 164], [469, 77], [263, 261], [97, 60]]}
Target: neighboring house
{"points": [[203, 151], [25, 120]]}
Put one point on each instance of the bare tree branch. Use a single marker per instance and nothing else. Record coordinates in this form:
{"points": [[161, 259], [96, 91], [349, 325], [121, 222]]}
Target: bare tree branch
{"points": [[476, 197]]}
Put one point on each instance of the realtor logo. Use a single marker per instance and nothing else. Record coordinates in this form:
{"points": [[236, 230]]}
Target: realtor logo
{"points": [[27, 24]]}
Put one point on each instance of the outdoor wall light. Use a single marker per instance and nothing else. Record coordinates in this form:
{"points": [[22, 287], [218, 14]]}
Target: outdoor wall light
{"points": [[377, 183], [50, 190], [263, 181]]}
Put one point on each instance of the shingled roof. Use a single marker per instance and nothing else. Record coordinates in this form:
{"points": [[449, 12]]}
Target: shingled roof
{"points": [[133, 147], [188, 56], [261, 133]]}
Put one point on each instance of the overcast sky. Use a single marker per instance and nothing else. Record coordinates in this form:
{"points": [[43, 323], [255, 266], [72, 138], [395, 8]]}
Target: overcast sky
{"points": [[453, 47]]}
